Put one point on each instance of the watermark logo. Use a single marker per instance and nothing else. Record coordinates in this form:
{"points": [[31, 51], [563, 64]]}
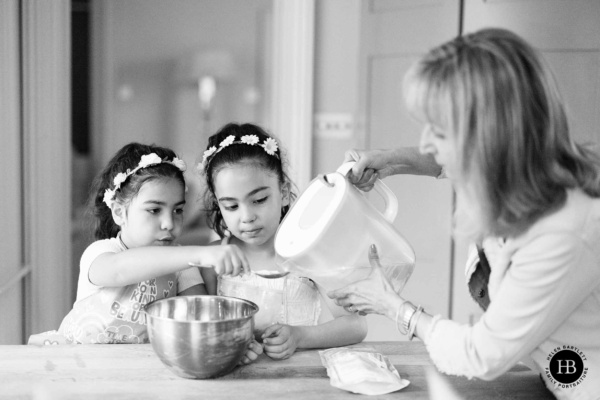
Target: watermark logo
{"points": [[566, 367]]}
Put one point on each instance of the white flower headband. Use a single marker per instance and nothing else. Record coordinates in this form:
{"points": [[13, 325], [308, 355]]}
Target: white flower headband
{"points": [[146, 161], [269, 144]]}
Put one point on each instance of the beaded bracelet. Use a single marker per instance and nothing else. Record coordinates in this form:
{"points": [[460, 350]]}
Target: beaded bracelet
{"points": [[413, 323]]}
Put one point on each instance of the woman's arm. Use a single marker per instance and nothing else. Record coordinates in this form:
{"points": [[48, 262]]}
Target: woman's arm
{"points": [[547, 279], [378, 164]]}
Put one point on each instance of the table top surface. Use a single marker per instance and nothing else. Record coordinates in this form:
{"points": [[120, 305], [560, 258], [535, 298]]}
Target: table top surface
{"points": [[135, 372]]}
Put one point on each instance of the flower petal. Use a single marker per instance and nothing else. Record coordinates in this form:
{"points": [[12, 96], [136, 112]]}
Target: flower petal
{"points": [[250, 139], [149, 159], [119, 179], [109, 196], [228, 140], [179, 163], [270, 146]]}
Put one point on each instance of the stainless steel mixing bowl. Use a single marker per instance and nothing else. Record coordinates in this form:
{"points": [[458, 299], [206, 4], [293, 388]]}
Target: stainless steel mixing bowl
{"points": [[201, 336]]}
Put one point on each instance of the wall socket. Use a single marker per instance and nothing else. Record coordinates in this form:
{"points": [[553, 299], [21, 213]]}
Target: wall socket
{"points": [[336, 126]]}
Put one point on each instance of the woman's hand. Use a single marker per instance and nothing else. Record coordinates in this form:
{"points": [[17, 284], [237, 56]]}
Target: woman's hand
{"points": [[373, 295], [280, 341], [369, 167], [255, 349], [378, 164]]}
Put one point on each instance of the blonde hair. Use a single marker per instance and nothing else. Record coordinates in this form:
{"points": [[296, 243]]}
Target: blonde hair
{"points": [[498, 100]]}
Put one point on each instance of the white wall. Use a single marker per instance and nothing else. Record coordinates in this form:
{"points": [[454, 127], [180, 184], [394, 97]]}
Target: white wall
{"points": [[337, 45], [156, 50]]}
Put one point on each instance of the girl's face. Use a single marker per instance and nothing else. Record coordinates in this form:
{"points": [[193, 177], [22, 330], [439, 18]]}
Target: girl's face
{"points": [[439, 143], [250, 199], [155, 216]]}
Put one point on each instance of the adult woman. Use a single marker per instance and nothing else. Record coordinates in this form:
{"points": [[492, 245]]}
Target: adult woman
{"points": [[495, 123]]}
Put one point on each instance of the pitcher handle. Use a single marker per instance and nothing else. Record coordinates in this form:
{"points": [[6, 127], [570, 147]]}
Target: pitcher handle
{"points": [[390, 199]]}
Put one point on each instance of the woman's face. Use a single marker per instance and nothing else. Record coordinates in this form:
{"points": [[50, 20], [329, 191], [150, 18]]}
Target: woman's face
{"points": [[438, 142], [250, 199]]}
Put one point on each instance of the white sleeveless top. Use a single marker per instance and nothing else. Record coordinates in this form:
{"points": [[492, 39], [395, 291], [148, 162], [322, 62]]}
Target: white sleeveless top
{"points": [[291, 300]]}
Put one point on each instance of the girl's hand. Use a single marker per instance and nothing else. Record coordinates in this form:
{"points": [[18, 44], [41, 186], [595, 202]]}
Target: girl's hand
{"points": [[280, 341], [225, 259], [254, 350]]}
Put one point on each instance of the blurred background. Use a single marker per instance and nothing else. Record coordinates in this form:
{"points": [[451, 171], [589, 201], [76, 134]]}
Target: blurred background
{"points": [[81, 78], [169, 73]]}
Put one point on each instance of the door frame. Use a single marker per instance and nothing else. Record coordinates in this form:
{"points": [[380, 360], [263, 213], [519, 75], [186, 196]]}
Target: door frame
{"points": [[36, 161]]}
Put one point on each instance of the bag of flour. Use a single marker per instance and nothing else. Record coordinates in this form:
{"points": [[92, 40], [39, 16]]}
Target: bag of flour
{"points": [[361, 370]]}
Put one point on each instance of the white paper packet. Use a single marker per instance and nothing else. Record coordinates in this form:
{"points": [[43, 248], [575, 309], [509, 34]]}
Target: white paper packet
{"points": [[361, 370]]}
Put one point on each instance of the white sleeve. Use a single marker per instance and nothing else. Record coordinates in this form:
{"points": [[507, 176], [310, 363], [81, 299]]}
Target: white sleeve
{"points": [[188, 278], [84, 286], [547, 279]]}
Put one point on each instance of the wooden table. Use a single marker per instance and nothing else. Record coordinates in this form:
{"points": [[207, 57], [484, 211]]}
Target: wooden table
{"points": [[135, 372]]}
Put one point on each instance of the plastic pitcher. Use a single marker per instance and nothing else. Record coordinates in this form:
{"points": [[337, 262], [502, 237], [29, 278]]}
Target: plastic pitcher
{"points": [[326, 234]]}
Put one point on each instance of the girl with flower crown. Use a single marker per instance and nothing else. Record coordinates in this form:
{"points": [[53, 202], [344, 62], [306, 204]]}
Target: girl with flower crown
{"points": [[247, 195], [138, 201]]}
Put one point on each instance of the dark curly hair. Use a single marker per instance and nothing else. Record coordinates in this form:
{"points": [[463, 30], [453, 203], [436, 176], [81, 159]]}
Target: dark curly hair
{"points": [[233, 154], [126, 159]]}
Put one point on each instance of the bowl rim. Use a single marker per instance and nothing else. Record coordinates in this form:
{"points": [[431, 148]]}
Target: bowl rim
{"points": [[150, 316]]}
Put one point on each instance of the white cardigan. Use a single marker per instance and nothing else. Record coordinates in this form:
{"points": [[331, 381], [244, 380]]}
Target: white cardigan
{"points": [[545, 294]]}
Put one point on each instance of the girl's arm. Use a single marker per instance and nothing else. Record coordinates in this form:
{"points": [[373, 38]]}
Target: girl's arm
{"points": [[209, 276], [210, 280], [199, 289], [341, 331], [281, 341], [190, 283], [142, 263]]}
